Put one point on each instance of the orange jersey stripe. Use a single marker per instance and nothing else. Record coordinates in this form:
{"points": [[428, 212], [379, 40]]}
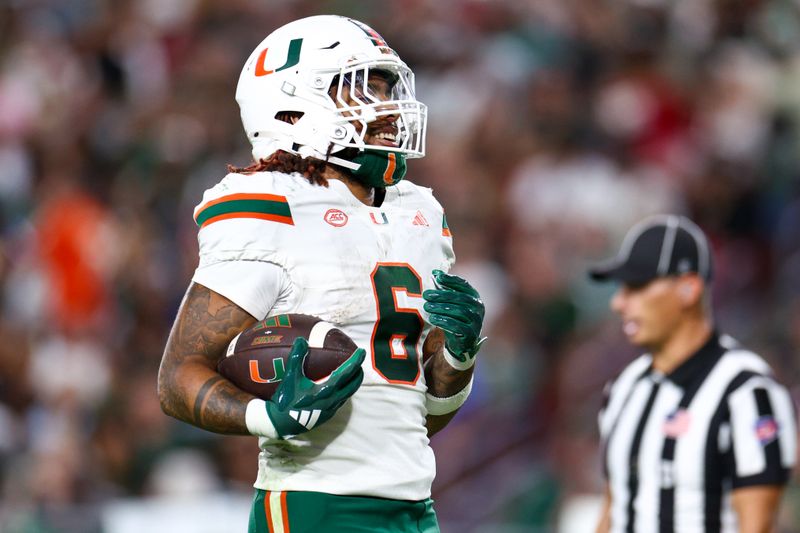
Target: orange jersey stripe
{"points": [[243, 196], [285, 512]]}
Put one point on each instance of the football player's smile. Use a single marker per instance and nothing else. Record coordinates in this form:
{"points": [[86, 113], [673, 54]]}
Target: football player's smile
{"points": [[383, 133]]}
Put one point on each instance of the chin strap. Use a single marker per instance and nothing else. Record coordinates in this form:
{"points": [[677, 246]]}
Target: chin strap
{"points": [[376, 168], [380, 169]]}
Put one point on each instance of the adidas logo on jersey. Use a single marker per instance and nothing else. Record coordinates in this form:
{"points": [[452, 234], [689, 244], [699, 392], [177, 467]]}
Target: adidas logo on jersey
{"points": [[420, 220], [307, 419]]}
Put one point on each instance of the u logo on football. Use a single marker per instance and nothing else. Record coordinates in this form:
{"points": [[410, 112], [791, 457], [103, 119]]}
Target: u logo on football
{"points": [[277, 367]]}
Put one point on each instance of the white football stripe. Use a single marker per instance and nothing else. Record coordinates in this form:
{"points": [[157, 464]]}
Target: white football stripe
{"points": [[304, 416], [294, 414], [316, 338], [232, 345]]}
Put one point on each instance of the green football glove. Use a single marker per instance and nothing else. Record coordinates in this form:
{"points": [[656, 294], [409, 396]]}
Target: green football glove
{"points": [[456, 308], [300, 404]]}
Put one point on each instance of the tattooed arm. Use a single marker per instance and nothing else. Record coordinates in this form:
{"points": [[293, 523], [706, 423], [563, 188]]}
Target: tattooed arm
{"points": [[189, 387], [443, 380]]}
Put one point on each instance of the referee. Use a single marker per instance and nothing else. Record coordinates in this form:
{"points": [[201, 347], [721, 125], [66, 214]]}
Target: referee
{"points": [[697, 434]]}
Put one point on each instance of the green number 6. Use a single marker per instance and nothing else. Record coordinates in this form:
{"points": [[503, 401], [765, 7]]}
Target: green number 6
{"points": [[395, 338]]}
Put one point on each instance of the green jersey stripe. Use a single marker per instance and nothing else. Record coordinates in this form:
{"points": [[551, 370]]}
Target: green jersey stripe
{"points": [[279, 210]]}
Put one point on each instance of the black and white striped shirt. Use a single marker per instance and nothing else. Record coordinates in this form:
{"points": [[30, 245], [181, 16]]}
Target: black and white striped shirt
{"points": [[676, 445]]}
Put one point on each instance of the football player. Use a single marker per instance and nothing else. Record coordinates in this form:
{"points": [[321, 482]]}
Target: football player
{"points": [[322, 224]]}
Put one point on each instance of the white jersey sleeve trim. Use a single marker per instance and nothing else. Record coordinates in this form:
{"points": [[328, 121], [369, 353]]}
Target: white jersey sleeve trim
{"points": [[255, 286], [748, 443]]}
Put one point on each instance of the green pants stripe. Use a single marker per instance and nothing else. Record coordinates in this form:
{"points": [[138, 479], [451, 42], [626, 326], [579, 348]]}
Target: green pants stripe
{"points": [[317, 512]]}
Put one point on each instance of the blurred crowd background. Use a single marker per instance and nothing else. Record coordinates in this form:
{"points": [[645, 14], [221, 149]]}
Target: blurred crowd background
{"points": [[554, 126]]}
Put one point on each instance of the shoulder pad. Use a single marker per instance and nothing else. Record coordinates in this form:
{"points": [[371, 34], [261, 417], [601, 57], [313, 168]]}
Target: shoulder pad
{"points": [[411, 194], [261, 195], [247, 217]]}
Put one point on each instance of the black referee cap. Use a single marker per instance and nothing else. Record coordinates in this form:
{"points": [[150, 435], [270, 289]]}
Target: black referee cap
{"points": [[658, 246]]}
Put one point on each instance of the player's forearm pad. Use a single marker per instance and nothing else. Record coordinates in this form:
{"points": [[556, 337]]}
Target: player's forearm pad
{"points": [[441, 406], [456, 363], [257, 420]]}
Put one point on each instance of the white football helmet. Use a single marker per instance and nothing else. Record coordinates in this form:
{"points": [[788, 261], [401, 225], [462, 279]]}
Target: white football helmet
{"points": [[294, 69]]}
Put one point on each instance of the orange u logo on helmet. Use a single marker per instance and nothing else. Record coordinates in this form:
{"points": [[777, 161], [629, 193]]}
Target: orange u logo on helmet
{"points": [[292, 58]]}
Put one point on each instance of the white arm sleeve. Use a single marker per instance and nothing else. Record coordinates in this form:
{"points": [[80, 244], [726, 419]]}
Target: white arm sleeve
{"points": [[255, 286]]}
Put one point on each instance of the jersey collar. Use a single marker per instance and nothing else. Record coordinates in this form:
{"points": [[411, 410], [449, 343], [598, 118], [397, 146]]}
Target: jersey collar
{"points": [[391, 195], [698, 366]]}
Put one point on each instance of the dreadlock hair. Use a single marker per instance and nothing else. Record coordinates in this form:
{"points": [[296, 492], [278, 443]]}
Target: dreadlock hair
{"points": [[281, 161]]}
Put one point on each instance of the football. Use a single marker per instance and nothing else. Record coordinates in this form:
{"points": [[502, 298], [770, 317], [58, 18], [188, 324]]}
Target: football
{"points": [[256, 358]]}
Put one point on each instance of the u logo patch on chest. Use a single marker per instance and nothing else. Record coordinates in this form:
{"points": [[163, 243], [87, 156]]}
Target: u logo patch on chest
{"points": [[375, 220]]}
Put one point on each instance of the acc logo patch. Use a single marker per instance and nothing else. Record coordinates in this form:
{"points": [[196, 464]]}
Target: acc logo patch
{"points": [[335, 217], [766, 429]]}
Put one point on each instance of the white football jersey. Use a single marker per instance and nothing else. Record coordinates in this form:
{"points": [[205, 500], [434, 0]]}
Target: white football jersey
{"points": [[362, 269]]}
